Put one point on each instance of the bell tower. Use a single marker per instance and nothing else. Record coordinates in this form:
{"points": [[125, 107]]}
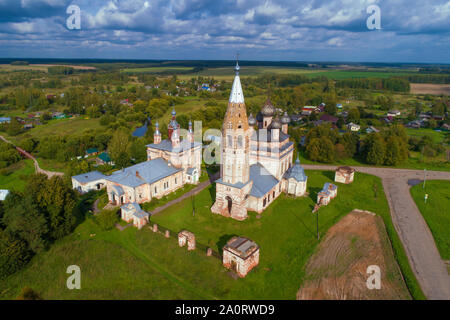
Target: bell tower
{"points": [[234, 185]]}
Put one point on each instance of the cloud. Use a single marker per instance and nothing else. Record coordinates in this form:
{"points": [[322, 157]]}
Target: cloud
{"points": [[201, 29]]}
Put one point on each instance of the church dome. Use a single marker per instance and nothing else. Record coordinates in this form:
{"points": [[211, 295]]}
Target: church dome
{"points": [[285, 119], [275, 124], [259, 117], [297, 172], [251, 120], [268, 110]]}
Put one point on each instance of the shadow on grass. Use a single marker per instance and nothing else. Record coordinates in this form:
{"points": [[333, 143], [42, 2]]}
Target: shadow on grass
{"points": [[329, 174], [313, 191], [212, 192], [223, 241]]}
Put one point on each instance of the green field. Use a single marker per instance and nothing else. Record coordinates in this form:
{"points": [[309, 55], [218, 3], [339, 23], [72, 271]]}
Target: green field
{"points": [[157, 70], [60, 127], [437, 136], [136, 264], [13, 177], [350, 74], [436, 211]]}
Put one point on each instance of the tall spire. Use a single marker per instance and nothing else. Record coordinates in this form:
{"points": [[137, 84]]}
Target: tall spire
{"points": [[237, 95]]}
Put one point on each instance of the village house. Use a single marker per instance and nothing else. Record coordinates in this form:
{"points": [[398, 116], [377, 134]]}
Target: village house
{"points": [[132, 212], [371, 129], [5, 120], [92, 152], [143, 182], [103, 158], [256, 155], [353, 127], [3, 194], [344, 175], [393, 113], [328, 192], [90, 181], [240, 255], [329, 118]]}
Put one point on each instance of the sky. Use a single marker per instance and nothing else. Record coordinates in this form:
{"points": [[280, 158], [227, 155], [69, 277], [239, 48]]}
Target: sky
{"points": [[274, 30]]}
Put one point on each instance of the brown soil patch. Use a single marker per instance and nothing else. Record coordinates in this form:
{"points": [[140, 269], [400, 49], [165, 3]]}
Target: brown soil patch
{"points": [[338, 269], [428, 88]]}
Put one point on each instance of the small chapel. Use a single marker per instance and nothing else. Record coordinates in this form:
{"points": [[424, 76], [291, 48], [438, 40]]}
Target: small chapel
{"points": [[257, 158]]}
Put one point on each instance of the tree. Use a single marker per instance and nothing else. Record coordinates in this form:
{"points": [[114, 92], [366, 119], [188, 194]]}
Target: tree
{"points": [[313, 149], [138, 151], [13, 253], [375, 149], [107, 219], [392, 156], [57, 201], [353, 115], [24, 219], [29, 294], [118, 148], [14, 127]]}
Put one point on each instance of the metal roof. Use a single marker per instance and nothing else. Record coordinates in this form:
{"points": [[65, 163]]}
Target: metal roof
{"points": [[145, 172], [237, 95], [89, 177], [264, 135], [244, 247], [166, 145], [297, 172], [135, 208], [263, 181]]}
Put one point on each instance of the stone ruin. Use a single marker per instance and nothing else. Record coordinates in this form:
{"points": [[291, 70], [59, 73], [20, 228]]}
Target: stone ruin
{"points": [[344, 175], [240, 255], [186, 237]]}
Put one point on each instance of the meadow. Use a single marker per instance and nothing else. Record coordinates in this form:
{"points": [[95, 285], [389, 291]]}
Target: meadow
{"points": [[134, 264], [14, 177], [435, 211]]}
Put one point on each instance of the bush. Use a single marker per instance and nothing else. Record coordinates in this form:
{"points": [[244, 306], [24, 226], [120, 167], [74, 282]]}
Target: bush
{"points": [[107, 219], [29, 294]]}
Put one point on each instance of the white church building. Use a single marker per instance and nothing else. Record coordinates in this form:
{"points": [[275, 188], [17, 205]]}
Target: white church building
{"points": [[256, 158]]}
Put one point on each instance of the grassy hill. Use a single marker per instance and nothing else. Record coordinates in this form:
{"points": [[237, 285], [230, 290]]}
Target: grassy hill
{"points": [[134, 264]]}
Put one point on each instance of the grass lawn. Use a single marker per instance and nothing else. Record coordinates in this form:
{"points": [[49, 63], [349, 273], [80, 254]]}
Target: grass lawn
{"points": [[415, 161], [14, 176], [136, 264], [59, 127], [436, 211], [437, 136], [286, 232]]}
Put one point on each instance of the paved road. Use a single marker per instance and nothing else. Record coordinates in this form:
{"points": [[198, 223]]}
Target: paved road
{"points": [[424, 258], [36, 164]]}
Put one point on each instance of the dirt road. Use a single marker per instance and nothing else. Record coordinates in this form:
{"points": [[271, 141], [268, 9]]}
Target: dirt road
{"points": [[424, 258], [36, 164]]}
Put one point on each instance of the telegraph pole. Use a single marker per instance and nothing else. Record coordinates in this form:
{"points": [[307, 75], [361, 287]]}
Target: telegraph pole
{"points": [[317, 219], [424, 177]]}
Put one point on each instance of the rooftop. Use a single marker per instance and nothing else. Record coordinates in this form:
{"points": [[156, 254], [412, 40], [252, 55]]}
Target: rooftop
{"points": [[145, 172], [166, 145], [263, 181], [297, 172], [243, 247], [89, 177]]}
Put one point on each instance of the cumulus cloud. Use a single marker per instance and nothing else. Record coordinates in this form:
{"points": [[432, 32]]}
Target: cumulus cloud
{"points": [[205, 29]]}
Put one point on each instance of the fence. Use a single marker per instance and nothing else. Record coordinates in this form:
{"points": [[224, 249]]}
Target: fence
{"points": [[172, 234]]}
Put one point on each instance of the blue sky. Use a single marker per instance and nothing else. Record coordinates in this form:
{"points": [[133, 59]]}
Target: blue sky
{"points": [[291, 30]]}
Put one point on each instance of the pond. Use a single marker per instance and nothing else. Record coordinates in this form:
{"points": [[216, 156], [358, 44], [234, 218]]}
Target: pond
{"points": [[141, 131]]}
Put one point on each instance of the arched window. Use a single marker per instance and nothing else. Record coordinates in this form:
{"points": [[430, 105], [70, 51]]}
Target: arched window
{"points": [[229, 141], [240, 142]]}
